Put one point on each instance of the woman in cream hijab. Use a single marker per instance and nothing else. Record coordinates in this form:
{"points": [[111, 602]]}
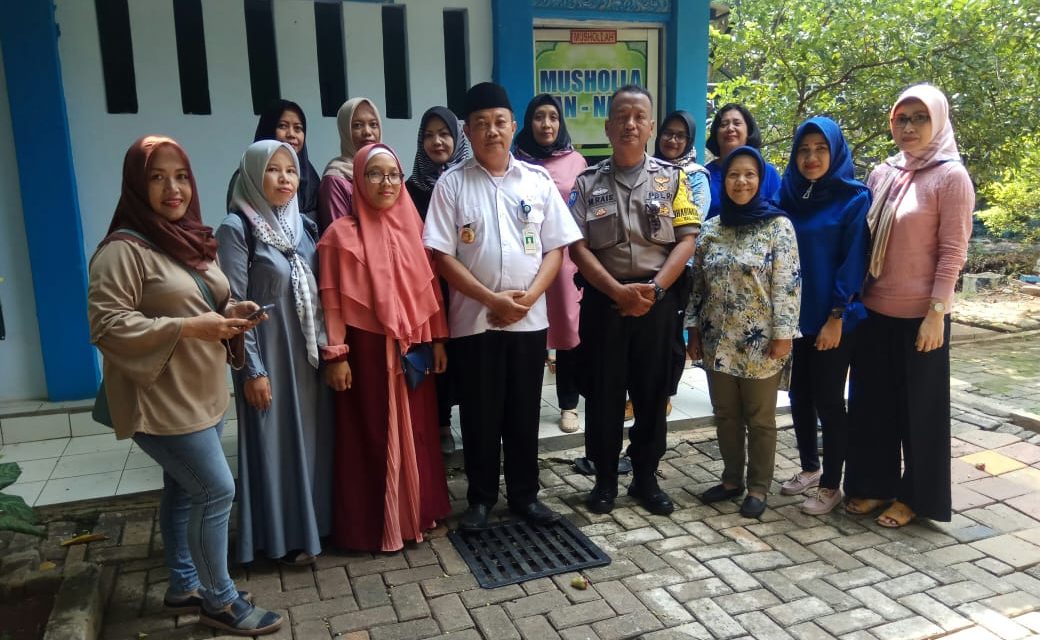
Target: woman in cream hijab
{"points": [[359, 124]]}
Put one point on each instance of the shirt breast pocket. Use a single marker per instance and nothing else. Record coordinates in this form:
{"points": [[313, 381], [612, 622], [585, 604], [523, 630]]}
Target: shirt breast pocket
{"points": [[470, 226], [603, 226], [660, 219]]}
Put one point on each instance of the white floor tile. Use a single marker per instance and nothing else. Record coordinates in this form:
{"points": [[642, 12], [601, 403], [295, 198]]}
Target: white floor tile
{"points": [[93, 444], [33, 450], [33, 428], [29, 491], [83, 425], [35, 470], [138, 480], [138, 459], [79, 488], [86, 464]]}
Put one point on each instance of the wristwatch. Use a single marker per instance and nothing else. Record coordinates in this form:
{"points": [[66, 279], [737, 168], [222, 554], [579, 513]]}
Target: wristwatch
{"points": [[837, 313], [658, 290], [939, 307]]}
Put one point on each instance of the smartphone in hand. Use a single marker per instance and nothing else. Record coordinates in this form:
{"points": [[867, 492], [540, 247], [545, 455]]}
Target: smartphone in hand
{"points": [[259, 312]]}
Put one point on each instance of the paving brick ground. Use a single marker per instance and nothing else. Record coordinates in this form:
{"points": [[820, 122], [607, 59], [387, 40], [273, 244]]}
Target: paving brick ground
{"points": [[703, 572]]}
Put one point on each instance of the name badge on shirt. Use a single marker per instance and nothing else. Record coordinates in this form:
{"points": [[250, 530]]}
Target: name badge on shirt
{"points": [[530, 241]]}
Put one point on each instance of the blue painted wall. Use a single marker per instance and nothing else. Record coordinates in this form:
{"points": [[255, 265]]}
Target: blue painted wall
{"points": [[29, 37]]}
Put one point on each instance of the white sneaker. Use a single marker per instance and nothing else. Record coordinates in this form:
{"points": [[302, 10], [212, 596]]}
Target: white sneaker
{"points": [[823, 501], [800, 482], [569, 421]]}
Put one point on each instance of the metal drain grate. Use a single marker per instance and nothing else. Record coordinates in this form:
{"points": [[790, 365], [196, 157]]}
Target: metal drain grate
{"points": [[514, 551]]}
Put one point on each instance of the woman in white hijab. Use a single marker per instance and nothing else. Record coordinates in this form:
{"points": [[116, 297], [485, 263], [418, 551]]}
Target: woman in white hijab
{"points": [[285, 436]]}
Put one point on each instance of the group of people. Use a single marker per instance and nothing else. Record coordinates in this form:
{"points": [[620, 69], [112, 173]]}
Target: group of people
{"points": [[499, 247]]}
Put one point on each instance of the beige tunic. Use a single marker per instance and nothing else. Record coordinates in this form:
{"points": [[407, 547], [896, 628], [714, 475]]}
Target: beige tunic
{"points": [[156, 382]]}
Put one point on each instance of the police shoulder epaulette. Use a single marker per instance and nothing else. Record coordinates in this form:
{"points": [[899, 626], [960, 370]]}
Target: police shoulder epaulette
{"points": [[658, 163]]}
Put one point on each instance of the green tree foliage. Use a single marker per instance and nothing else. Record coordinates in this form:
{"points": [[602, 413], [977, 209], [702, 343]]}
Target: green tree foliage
{"points": [[790, 59], [1014, 199]]}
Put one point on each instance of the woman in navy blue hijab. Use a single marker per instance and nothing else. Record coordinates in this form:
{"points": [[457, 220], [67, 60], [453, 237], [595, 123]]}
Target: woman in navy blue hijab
{"points": [[742, 318], [828, 208]]}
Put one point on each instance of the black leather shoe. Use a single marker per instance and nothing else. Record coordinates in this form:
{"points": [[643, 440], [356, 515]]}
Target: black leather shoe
{"points": [[474, 518], [536, 513], [600, 499], [753, 507], [651, 497], [719, 492]]}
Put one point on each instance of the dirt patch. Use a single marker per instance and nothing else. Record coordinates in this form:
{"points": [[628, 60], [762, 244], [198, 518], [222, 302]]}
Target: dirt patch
{"points": [[1005, 308]]}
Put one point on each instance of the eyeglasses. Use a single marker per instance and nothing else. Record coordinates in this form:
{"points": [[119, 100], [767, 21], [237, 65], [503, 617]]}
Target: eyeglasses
{"points": [[377, 177], [673, 136], [917, 120]]}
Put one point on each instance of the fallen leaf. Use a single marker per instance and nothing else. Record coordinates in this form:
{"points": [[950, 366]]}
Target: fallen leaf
{"points": [[580, 583], [47, 565], [84, 539], [981, 466]]}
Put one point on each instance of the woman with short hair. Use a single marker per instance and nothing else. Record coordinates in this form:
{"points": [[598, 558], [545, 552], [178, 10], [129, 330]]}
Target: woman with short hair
{"points": [[732, 127]]}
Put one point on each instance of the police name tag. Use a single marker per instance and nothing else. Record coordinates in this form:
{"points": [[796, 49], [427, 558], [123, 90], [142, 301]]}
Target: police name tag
{"points": [[530, 241]]}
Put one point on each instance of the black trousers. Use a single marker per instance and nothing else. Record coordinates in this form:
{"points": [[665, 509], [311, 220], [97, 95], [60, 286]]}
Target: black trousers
{"points": [[899, 402], [818, 390], [616, 354], [500, 399], [566, 378]]}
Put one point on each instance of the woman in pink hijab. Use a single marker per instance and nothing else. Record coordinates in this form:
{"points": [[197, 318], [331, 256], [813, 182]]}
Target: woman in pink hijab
{"points": [[381, 300], [920, 222]]}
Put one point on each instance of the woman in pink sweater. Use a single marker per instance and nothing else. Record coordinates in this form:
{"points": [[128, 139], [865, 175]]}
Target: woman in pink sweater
{"points": [[920, 223]]}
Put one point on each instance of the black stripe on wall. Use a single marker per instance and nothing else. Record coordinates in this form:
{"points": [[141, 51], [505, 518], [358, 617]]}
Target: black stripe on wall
{"points": [[332, 61], [263, 57], [117, 55], [456, 57], [395, 62], [191, 56]]}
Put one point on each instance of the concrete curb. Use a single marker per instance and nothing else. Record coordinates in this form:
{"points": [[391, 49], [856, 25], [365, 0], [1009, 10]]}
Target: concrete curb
{"points": [[992, 337], [1015, 416], [78, 606]]}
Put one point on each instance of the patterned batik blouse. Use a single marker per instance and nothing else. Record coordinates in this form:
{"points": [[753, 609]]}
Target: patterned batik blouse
{"points": [[746, 292]]}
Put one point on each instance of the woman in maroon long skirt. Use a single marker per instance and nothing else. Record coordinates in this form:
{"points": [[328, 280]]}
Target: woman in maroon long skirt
{"points": [[381, 299]]}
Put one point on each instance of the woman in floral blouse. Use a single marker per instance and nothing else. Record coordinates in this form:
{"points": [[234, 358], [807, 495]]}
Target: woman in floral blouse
{"points": [[742, 319]]}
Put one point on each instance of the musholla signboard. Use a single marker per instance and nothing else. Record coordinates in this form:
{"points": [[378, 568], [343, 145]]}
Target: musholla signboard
{"points": [[583, 67]]}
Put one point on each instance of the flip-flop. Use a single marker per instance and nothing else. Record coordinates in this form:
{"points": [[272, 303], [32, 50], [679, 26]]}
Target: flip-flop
{"points": [[863, 506], [297, 558], [897, 515]]}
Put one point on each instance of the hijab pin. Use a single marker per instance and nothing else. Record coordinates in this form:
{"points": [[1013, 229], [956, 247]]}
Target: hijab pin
{"points": [[808, 192]]}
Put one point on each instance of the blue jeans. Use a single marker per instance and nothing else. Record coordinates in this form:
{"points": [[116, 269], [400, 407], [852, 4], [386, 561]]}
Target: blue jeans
{"points": [[194, 511]]}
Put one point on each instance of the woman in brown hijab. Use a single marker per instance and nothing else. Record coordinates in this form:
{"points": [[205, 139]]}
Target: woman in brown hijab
{"points": [[162, 315]]}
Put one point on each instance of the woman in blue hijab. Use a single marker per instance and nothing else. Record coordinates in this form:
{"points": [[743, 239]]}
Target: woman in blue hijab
{"points": [[828, 207], [742, 318]]}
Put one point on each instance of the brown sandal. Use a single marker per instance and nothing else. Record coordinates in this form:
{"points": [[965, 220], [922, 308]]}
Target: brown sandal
{"points": [[897, 515], [863, 506]]}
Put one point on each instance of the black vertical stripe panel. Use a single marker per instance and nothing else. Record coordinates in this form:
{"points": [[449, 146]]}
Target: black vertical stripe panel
{"points": [[191, 57], [117, 55], [395, 62], [332, 62], [456, 57], [263, 56]]}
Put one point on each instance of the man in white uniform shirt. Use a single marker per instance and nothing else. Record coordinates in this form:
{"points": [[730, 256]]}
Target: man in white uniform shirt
{"points": [[497, 227]]}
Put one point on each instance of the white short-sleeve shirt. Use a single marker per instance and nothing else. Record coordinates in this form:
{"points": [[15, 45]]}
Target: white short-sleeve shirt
{"points": [[483, 221]]}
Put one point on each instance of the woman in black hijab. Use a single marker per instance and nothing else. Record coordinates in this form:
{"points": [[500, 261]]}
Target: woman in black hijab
{"points": [[441, 146], [284, 120]]}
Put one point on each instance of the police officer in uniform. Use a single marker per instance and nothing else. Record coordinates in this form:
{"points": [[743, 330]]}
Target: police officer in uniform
{"points": [[639, 229]]}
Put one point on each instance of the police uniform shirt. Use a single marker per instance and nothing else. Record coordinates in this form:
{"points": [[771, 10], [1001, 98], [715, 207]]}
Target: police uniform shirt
{"points": [[631, 219], [498, 228]]}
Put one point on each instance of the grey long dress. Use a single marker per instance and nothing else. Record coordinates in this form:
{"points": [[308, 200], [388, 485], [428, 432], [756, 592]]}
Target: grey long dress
{"points": [[285, 452]]}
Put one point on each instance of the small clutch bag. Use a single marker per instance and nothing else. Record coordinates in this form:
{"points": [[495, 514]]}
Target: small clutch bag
{"points": [[417, 364]]}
